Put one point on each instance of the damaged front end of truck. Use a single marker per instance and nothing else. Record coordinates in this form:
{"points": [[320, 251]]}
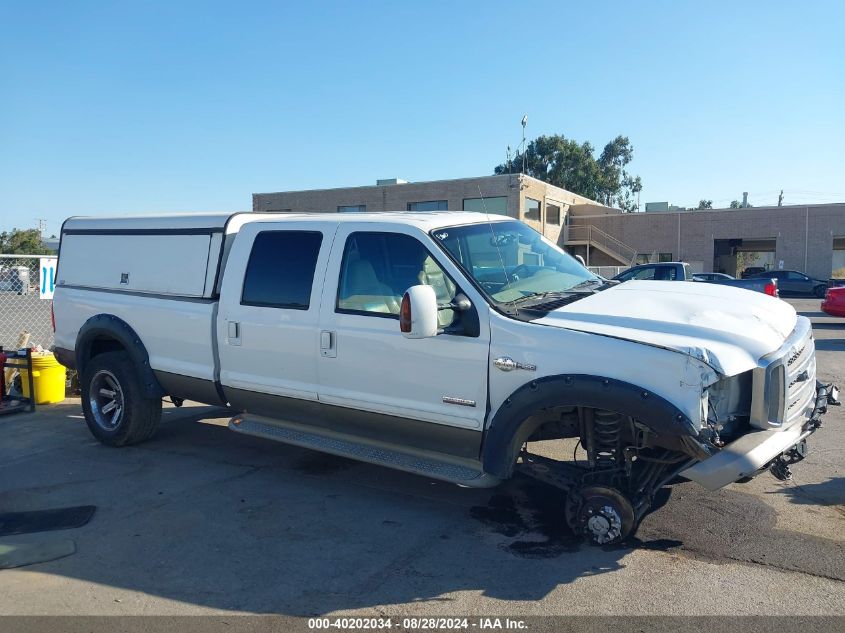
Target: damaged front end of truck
{"points": [[632, 442]]}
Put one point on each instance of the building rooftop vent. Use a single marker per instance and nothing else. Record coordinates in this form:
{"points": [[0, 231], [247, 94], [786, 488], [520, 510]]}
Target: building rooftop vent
{"points": [[383, 182]]}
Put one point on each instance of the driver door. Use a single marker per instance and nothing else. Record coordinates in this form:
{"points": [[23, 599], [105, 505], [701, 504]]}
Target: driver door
{"points": [[426, 393]]}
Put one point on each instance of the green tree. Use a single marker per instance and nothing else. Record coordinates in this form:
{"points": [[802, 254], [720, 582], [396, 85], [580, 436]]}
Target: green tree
{"points": [[567, 164], [705, 204], [736, 204], [22, 242]]}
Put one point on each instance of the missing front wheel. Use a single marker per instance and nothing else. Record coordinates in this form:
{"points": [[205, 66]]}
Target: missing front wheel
{"points": [[600, 514]]}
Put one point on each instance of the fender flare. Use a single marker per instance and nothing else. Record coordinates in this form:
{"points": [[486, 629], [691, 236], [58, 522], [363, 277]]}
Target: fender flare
{"points": [[111, 327], [507, 431]]}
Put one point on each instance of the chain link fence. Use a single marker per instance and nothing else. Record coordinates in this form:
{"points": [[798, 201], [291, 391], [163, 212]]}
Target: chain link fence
{"points": [[21, 307]]}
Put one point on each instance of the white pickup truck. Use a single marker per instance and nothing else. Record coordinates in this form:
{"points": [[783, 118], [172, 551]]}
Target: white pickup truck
{"points": [[446, 344]]}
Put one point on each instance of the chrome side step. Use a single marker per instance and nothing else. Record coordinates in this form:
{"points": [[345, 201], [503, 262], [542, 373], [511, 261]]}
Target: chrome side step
{"points": [[425, 464]]}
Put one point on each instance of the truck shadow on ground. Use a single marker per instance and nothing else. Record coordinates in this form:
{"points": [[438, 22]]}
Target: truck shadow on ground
{"points": [[826, 493], [204, 516]]}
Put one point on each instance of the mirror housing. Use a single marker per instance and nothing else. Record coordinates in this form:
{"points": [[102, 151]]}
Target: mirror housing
{"points": [[418, 313]]}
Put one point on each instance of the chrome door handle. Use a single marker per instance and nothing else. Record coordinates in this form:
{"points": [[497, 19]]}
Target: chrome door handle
{"points": [[506, 363]]}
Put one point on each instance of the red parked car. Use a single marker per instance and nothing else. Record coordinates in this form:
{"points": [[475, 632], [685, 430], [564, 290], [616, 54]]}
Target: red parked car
{"points": [[834, 301]]}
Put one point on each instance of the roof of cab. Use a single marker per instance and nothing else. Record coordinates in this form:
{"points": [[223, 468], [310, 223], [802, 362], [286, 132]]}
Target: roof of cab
{"points": [[426, 220]]}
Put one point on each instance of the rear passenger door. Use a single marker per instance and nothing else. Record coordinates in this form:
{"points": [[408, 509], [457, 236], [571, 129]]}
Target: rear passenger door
{"points": [[269, 309]]}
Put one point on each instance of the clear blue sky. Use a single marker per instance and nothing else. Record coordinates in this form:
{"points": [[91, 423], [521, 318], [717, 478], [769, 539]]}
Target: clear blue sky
{"points": [[116, 107]]}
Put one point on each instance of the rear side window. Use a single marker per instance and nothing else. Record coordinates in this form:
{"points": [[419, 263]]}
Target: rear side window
{"points": [[280, 271]]}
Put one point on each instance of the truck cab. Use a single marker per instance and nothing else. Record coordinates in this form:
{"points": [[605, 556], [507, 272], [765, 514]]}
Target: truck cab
{"points": [[441, 343]]}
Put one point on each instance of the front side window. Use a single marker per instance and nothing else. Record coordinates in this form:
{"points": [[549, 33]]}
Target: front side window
{"points": [[280, 270], [429, 205], [512, 263], [378, 268]]}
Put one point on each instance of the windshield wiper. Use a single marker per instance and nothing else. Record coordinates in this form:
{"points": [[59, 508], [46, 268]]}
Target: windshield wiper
{"points": [[586, 282], [535, 296]]}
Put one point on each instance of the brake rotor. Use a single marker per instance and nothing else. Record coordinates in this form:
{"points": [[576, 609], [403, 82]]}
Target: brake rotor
{"points": [[601, 514]]}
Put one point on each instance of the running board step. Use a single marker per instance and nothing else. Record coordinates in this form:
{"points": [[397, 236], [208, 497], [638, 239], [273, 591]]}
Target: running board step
{"points": [[343, 446]]}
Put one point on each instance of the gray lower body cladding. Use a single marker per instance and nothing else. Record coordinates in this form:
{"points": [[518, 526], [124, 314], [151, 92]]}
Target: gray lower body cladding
{"points": [[413, 434]]}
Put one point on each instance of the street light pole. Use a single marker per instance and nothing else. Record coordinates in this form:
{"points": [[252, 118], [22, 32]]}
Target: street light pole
{"points": [[524, 123]]}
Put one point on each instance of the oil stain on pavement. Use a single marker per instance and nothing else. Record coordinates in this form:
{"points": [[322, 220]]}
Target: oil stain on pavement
{"points": [[722, 526]]}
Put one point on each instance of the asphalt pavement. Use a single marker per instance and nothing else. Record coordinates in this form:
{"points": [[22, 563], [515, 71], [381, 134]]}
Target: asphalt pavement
{"points": [[201, 520]]}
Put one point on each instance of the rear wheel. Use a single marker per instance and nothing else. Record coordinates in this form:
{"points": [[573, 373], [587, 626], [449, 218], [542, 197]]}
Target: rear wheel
{"points": [[116, 410]]}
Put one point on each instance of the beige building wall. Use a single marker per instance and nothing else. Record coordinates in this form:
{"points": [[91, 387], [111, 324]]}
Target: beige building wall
{"points": [[803, 235], [518, 189]]}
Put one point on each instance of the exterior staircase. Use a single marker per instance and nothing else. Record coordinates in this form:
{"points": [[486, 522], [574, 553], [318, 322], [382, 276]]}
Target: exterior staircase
{"points": [[593, 237]]}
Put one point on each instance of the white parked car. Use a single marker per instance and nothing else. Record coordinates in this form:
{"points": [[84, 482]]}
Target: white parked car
{"points": [[14, 279], [436, 343]]}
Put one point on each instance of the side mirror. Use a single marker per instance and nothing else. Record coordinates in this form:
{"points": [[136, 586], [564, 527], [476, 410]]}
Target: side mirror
{"points": [[418, 313]]}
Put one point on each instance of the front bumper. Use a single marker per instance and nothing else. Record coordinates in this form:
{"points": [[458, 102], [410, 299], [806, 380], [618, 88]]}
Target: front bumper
{"points": [[756, 451]]}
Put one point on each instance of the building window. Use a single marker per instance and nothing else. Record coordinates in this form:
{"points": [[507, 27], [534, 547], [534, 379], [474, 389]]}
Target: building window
{"points": [[532, 209], [354, 208], [487, 205], [838, 261], [428, 205], [280, 270], [552, 214], [664, 257]]}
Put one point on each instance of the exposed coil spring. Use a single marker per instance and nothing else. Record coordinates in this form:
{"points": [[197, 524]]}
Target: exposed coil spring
{"points": [[607, 433]]}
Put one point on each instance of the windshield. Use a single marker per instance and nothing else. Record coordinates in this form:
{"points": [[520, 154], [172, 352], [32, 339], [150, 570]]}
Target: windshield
{"points": [[511, 261]]}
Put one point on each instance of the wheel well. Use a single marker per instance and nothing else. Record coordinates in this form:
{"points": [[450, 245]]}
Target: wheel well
{"points": [[550, 404], [103, 345], [104, 333]]}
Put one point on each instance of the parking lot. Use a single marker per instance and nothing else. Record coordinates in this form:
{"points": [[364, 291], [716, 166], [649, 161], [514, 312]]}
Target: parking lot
{"points": [[201, 520]]}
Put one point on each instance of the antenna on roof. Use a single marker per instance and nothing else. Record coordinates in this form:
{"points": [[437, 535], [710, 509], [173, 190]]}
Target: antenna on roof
{"points": [[493, 234]]}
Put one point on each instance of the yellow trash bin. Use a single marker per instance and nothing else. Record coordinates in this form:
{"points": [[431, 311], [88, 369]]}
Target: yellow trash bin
{"points": [[48, 379]]}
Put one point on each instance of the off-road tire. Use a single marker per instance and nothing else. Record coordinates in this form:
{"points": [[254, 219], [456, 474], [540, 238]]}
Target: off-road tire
{"points": [[138, 417]]}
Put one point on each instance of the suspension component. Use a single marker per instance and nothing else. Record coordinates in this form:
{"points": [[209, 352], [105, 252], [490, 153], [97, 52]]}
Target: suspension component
{"points": [[603, 439]]}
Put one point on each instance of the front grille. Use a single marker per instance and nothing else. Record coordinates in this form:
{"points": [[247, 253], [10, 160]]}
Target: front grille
{"points": [[784, 384], [800, 381], [796, 355]]}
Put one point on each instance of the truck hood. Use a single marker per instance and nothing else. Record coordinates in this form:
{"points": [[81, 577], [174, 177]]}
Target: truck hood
{"points": [[730, 329]]}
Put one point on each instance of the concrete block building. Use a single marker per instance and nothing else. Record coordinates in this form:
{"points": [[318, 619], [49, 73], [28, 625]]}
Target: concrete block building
{"points": [[539, 204], [810, 238]]}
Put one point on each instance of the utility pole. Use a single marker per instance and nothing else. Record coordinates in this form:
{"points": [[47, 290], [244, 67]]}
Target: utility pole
{"points": [[780, 198], [508, 161], [524, 123], [42, 226]]}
